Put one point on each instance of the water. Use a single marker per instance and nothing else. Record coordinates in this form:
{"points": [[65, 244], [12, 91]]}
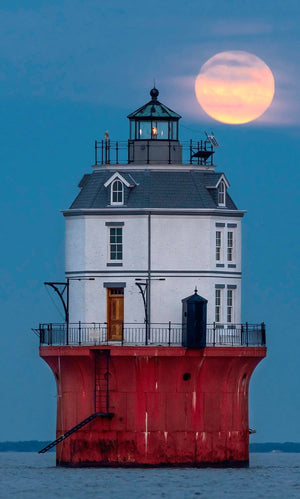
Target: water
{"points": [[30, 475]]}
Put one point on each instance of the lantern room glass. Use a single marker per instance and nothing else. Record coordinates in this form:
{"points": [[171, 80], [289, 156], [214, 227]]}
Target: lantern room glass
{"points": [[144, 130], [153, 129]]}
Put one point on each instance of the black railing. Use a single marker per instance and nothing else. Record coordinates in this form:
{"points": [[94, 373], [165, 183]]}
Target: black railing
{"points": [[167, 334], [193, 152]]}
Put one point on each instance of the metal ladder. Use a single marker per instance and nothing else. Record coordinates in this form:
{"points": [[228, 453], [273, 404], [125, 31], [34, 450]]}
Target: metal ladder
{"points": [[101, 397]]}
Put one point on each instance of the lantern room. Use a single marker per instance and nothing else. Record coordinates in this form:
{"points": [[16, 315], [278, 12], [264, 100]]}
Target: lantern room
{"points": [[154, 121], [152, 125]]}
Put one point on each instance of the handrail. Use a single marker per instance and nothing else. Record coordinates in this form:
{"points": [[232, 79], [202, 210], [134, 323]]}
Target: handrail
{"points": [[194, 152], [164, 334]]}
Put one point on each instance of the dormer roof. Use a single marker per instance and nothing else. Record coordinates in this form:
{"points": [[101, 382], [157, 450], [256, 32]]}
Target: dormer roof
{"points": [[125, 178], [219, 180]]}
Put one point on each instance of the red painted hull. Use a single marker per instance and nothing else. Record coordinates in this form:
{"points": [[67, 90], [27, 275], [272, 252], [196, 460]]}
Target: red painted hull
{"points": [[160, 418]]}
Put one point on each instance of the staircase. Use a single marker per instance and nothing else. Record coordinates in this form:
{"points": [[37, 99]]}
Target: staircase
{"points": [[101, 397]]}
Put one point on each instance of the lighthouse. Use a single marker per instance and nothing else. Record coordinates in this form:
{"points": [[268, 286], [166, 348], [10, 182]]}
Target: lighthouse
{"points": [[152, 363]]}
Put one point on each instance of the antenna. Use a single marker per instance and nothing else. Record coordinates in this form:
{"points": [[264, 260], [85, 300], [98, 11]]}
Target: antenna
{"points": [[212, 139]]}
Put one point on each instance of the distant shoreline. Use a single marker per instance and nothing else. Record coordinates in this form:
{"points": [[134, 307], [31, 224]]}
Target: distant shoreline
{"points": [[36, 445]]}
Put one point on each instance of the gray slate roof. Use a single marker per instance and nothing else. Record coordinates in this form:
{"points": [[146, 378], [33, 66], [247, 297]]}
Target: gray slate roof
{"points": [[154, 189]]}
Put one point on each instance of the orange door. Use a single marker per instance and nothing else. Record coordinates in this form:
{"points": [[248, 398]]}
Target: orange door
{"points": [[115, 313]]}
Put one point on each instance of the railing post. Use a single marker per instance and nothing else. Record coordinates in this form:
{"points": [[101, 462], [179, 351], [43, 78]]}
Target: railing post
{"points": [[214, 334], [95, 152], [263, 334], [106, 151], [247, 332], [169, 333], [148, 157], [40, 331], [79, 333], [191, 151], [169, 152], [102, 152], [50, 337], [131, 150], [122, 333]]}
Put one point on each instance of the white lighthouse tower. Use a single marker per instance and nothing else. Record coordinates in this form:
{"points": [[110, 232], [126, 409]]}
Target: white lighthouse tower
{"points": [[152, 364]]}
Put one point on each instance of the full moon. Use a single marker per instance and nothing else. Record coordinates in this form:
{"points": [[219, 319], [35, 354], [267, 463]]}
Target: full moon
{"points": [[235, 87]]}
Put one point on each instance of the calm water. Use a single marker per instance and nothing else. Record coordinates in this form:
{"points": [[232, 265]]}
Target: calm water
{"points": [[30, 475]]}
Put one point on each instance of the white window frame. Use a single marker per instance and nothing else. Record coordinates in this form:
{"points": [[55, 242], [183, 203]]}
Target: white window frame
{"points": [[115, 244], [230, 306], [219, 252], [230, 246], [118, 192], [222, 193], [218, 305]]}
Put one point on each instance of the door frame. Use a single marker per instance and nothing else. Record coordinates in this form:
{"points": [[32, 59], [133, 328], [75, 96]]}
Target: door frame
{"points": [[114, 293]]}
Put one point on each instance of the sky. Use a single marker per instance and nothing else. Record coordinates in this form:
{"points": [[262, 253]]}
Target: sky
{"points": [[69, 70]]}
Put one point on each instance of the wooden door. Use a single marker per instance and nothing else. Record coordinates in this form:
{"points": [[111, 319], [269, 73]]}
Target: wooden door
{"points": [[115, 313]]}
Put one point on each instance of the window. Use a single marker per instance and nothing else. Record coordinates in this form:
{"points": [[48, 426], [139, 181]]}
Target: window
{"points": [[218, 305], [229, 246], [229, 305], [144, 130], [173, 130], [115, 243], [117, 192], [221, 193], [162, 130], [116, 291], [218, 245]]}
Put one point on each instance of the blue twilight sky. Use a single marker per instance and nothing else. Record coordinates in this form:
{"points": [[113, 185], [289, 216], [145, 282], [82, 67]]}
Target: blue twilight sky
{"points": [[72, 69]]}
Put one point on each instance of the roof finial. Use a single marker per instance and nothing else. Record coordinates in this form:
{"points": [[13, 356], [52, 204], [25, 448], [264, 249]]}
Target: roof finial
{"points": [[196, 290], [154, 92]]}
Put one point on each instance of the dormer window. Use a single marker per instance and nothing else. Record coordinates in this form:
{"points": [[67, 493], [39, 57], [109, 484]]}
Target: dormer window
{"points": [[117, 192], [118, 188], [221, 193]]}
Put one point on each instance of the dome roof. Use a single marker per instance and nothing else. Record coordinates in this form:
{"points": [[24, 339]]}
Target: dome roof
{"points": [[154, 109]]}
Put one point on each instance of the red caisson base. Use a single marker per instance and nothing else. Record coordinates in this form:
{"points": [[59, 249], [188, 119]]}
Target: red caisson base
{"points": [[171, 406]]}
